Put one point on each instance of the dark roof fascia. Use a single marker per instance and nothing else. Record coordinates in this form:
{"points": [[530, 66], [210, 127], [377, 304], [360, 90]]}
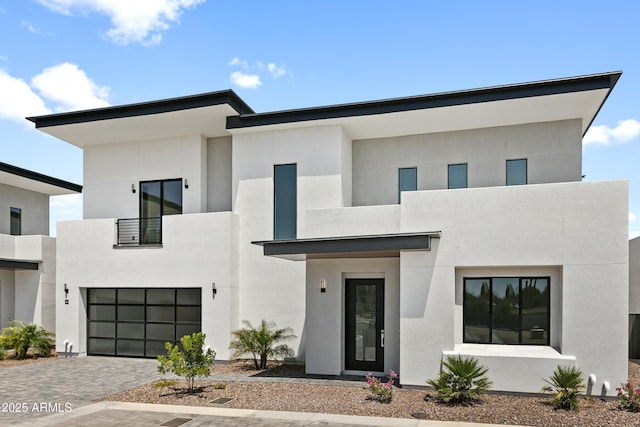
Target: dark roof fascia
{"points": [[346, 244], [145, 108], [13, 264], [445, 99], [35, 176]]}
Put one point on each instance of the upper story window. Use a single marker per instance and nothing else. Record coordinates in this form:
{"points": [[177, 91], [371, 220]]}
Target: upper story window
{"points": [[517, 172], [457, 176], [285, 201], [407, 180], [158, 198], [15, 227], [506, 310]]}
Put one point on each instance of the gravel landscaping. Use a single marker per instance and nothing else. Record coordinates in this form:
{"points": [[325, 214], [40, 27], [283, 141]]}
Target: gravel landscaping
{"points": [[350, 397]]}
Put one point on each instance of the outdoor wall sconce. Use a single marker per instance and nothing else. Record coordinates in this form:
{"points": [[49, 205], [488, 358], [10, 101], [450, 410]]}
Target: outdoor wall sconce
{"points": [[133, 188], [323, 286], [186, 183], [214, 291], [66, 294]]}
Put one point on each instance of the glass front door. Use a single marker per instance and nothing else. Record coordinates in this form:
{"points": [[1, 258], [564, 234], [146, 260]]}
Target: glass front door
{"points": [[364, 324]]}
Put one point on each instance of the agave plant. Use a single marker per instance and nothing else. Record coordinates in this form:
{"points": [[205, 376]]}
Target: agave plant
{"points": [[462, 380], [260, 342], [566, 383], [20, 336]]}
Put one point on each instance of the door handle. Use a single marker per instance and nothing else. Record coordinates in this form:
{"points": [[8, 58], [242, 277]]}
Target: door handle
{"points": [[382, 338]]}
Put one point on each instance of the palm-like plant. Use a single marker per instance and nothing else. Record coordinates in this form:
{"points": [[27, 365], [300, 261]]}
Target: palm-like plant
{"points": [[261, 342], [566, 383], [462, 380], [20, 336]]}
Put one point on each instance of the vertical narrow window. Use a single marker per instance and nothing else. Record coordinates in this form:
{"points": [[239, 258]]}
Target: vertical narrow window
{"points": [[407, 180], [517, 172], [16, 222], [477, 311], [457, 176], [158, 198], [284, 201]]}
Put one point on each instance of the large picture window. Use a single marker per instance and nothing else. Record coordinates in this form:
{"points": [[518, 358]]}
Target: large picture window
{"points": [[506, 310]]}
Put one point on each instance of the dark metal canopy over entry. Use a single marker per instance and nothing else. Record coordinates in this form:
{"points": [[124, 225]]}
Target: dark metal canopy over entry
{"points": [[15, 264], [372, 246]]}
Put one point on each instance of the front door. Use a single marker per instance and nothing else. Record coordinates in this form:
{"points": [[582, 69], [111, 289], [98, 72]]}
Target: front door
{"points": [[364, 324]]}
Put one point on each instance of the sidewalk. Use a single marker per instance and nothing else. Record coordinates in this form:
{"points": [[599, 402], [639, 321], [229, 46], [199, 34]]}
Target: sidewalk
{"points": [[108, 414]]}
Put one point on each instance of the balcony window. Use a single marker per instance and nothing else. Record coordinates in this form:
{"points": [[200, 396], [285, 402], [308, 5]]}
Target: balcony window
{"points": [[15, 222], [407, 180], [517, 172], [457, 176], [284, 201], [158, 198]]}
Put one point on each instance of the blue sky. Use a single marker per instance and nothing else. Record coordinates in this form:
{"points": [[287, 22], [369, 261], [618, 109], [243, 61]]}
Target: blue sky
{"points": [[62, 55]]}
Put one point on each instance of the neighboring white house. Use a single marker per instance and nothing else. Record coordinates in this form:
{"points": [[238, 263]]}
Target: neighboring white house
{"points": [[27, 253], [388, 234]]}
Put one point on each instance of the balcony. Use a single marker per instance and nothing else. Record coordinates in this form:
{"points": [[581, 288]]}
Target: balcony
{"points": [[139, 231]]}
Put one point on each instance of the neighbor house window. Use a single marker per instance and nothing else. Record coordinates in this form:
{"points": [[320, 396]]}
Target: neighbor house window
{"points": [[15, 222], [457, 176], [407, 180], [506, 310], [517, 172], [158, 198], [284, 201]]}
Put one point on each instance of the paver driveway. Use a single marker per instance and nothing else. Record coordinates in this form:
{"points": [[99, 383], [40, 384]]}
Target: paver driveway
{"points": [[58, 385]]}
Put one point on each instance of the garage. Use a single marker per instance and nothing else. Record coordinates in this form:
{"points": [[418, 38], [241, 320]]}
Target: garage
{"points": [[136, 322]]}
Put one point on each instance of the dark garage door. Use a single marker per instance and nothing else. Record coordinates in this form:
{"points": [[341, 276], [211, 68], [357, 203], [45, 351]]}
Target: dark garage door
{"points": [[136, 322]]}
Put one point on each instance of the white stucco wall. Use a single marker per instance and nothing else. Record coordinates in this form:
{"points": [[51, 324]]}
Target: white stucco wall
{"points": [[111, 169], [197, 250], [34, 210], [552, 149], [271, 288]]}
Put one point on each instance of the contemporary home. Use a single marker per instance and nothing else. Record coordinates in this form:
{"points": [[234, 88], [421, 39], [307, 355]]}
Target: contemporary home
{"points": [[27, 253], [388, 234]]}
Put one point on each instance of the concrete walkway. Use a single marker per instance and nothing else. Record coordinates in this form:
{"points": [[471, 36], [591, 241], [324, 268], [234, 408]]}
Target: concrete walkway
{"points": [[63, 392]]}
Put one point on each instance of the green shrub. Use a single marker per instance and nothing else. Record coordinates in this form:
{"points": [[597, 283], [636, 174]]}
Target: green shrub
{"points": [[462, 380], [629, 397], [260, 342], [191, 362], [164, 382], [3, 353], [20, 336], [566, 384], [382, 392]]}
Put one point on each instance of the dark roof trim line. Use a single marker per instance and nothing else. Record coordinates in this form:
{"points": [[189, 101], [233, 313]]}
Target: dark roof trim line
{"points": [[446, 99], [13, 264], [35, 176], [145, 108], [346, 244]]}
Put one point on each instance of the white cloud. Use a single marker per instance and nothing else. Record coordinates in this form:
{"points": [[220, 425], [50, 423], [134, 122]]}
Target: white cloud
{"points": [[133, 21], [238, 61], [30, 27], [625, 131], [634, 234], [64, 208], [632, 217], [17, 100], [245, 81], [70, 88], [4, 58], [276, 71]]}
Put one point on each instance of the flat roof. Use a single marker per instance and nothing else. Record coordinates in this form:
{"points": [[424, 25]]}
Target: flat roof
{"points": [[34, 181]]}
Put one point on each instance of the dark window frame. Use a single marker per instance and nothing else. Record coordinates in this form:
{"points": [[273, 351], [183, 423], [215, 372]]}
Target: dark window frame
{"points": [[466, 175], [414, 187], [15, 221], [491, 305], [289, 210], [146, 222], [526, 171]]}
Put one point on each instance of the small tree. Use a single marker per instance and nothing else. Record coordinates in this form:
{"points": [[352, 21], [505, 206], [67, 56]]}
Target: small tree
{"points": [[20, 336], [566, 384], [461, 381], [261, 342], [191, 362]]}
